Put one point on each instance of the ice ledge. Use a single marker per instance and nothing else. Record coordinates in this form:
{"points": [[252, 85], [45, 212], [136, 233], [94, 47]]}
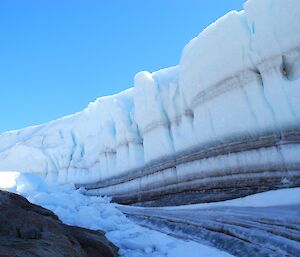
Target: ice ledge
{"points": [[238, 79]]}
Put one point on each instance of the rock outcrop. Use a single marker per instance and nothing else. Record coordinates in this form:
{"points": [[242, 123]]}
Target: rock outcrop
{"points": [[28, 230]]}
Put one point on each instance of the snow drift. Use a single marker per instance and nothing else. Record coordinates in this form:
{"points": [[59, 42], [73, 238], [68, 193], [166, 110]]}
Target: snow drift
{"points": [[225, 121]]}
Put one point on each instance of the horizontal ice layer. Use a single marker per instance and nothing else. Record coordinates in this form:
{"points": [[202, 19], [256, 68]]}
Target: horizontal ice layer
{"points": [[245, 62], [237, 80]]}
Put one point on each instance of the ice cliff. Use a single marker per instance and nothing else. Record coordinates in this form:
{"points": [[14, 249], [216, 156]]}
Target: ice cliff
{"points": [[227, 117]]}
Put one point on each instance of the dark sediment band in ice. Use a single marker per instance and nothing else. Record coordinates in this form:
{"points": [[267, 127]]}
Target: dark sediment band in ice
{"points": [[185, 178]]}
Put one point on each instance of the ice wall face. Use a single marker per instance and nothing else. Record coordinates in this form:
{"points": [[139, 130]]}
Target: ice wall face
{"points": [[228, 113]]}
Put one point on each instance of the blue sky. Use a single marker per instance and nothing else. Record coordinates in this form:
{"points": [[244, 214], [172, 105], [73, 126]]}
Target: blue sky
{"points": [[56, 56]]}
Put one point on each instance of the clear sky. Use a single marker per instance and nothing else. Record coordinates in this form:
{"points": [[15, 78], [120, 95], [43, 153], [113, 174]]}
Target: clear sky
{"points": [[56, 56]]}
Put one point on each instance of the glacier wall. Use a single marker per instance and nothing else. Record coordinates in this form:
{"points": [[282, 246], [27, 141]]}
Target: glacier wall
{"points": [[225, 120]]}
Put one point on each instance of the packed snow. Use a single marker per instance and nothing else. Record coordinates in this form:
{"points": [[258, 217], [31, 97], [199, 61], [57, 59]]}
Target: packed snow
{"points": [[73, 208], [280, 197], [265, 224]]}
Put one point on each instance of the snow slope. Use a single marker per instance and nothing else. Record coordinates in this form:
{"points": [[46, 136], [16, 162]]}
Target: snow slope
{"points": [[280, 197], [265, 224], [237, 82], [76, 209]]}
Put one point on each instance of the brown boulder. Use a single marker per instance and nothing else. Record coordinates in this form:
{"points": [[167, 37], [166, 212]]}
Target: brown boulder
{"points": [[28, 230]]}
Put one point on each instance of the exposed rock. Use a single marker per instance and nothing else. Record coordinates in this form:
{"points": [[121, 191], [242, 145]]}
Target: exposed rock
{"points": [[29, 230]]}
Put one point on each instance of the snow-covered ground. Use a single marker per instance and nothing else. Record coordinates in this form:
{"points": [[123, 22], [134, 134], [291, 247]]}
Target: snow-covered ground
{"points": [[265, 224], [73, 208], [279, 197]]}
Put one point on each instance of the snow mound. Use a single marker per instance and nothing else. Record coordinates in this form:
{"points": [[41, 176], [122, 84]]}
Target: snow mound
{"points": [[73, 208], [281, 197]]}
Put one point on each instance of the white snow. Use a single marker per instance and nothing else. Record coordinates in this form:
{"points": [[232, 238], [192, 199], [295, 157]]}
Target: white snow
{"points": [[8, 179], [73, 208], [280, 197]]}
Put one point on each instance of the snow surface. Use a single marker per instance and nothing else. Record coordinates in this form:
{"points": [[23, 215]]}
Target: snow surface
{"points": [[240, 76], [280, 197], [73, 208]]}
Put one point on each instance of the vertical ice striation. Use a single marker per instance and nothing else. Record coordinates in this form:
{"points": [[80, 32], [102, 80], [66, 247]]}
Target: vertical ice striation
{"points": [[150, 117]]}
